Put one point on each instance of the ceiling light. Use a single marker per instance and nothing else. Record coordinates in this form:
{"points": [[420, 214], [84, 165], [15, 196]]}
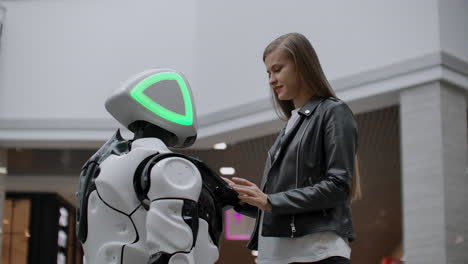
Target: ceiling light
{"points": [[221, 145], [227, 170]]}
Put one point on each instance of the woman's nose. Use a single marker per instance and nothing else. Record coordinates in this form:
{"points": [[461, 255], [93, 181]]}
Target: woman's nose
{"points": [[272, 79]]}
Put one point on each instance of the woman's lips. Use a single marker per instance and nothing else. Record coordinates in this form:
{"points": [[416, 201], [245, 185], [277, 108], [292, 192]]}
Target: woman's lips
{"points": [[278, 89]]}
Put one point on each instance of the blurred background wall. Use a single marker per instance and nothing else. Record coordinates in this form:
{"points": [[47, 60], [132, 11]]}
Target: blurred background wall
{"points": [[402, 66]]}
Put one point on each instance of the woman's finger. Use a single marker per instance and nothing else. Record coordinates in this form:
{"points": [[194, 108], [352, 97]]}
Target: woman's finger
{"points": [[243, 181], [228, 181], [245, 190], [250, 200]]}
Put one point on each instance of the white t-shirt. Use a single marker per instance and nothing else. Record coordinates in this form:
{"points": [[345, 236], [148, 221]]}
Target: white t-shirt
{"points": [[308, 248]]}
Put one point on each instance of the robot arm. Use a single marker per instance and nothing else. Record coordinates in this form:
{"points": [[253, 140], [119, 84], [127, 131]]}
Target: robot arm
{"points": [[184, 201], [172, 220]]}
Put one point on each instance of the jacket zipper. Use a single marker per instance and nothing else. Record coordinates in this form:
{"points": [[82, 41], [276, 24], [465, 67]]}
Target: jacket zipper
{"points": [[292, 224], [293, 227]]}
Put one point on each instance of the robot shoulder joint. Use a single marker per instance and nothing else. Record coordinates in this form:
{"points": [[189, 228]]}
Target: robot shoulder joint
{"points": [[175, 177]]}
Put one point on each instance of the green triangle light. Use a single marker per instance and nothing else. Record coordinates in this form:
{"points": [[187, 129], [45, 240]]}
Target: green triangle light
{"points": [[138, 95]]}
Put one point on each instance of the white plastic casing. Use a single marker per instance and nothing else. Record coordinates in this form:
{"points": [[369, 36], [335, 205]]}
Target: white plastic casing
{"points": [[121, 231]]}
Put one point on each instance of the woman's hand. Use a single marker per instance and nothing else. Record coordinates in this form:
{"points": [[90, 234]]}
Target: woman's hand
{"points": [[228, 181], [249, 193]]}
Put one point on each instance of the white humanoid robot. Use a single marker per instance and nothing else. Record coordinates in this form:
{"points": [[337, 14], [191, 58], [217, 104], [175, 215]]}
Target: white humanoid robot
{"points": [[139, 202]]}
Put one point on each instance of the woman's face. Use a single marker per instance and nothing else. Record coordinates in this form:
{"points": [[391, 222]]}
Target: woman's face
{"points": [[283, 77]]}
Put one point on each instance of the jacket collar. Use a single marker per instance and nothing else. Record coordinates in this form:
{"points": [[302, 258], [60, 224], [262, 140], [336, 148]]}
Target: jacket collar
{"points": [[284, 138], [308, 108]]}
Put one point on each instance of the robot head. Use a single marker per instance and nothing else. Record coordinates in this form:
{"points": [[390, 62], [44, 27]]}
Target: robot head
{"points": [[156, 103]]}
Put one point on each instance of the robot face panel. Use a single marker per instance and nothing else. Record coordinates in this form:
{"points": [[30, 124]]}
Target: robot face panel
{"points": [[161, 97], [170, 90], [167, 91]]}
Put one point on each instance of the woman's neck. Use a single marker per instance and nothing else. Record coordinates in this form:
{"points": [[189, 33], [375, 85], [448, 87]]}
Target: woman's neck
{"points": [[300, 100]]}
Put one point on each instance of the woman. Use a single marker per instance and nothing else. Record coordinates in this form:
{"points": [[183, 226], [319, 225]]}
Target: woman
{"points": [[303, 204]]}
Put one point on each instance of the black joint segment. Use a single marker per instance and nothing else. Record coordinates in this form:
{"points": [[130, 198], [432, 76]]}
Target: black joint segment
{"points": [[146, 204], [209, 209], [190, 216], [227, 195], [160, 258], [142, 180]]}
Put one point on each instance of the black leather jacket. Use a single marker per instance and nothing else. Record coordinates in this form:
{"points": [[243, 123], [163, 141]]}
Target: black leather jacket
{"points": [[308, 174]]}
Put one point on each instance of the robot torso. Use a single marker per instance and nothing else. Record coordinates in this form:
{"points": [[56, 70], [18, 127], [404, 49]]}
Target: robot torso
{"points": [[138, 202]]}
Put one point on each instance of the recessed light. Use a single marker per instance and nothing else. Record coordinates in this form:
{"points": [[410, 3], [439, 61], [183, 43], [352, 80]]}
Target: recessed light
{"points": [[221, 145], [227, 170]]}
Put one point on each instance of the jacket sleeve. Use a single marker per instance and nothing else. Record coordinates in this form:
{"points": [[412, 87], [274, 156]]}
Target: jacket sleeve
{"points": [[246, 209], [340, 143]]}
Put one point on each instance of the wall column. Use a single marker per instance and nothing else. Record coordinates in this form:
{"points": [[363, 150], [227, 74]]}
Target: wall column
{"points": [[3, 168], [2, 156], [434, 174]]}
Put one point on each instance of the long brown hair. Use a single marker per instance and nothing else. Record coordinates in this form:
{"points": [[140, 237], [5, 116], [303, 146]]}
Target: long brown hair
{"points": [[298, 48]]}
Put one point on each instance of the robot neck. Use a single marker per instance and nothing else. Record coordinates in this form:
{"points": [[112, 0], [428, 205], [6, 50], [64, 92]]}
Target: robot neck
{"points": [[142, 129]]}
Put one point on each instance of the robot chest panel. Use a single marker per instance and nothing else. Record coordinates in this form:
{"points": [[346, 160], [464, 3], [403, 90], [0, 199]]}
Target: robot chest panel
{"points": [[115, 181]]}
